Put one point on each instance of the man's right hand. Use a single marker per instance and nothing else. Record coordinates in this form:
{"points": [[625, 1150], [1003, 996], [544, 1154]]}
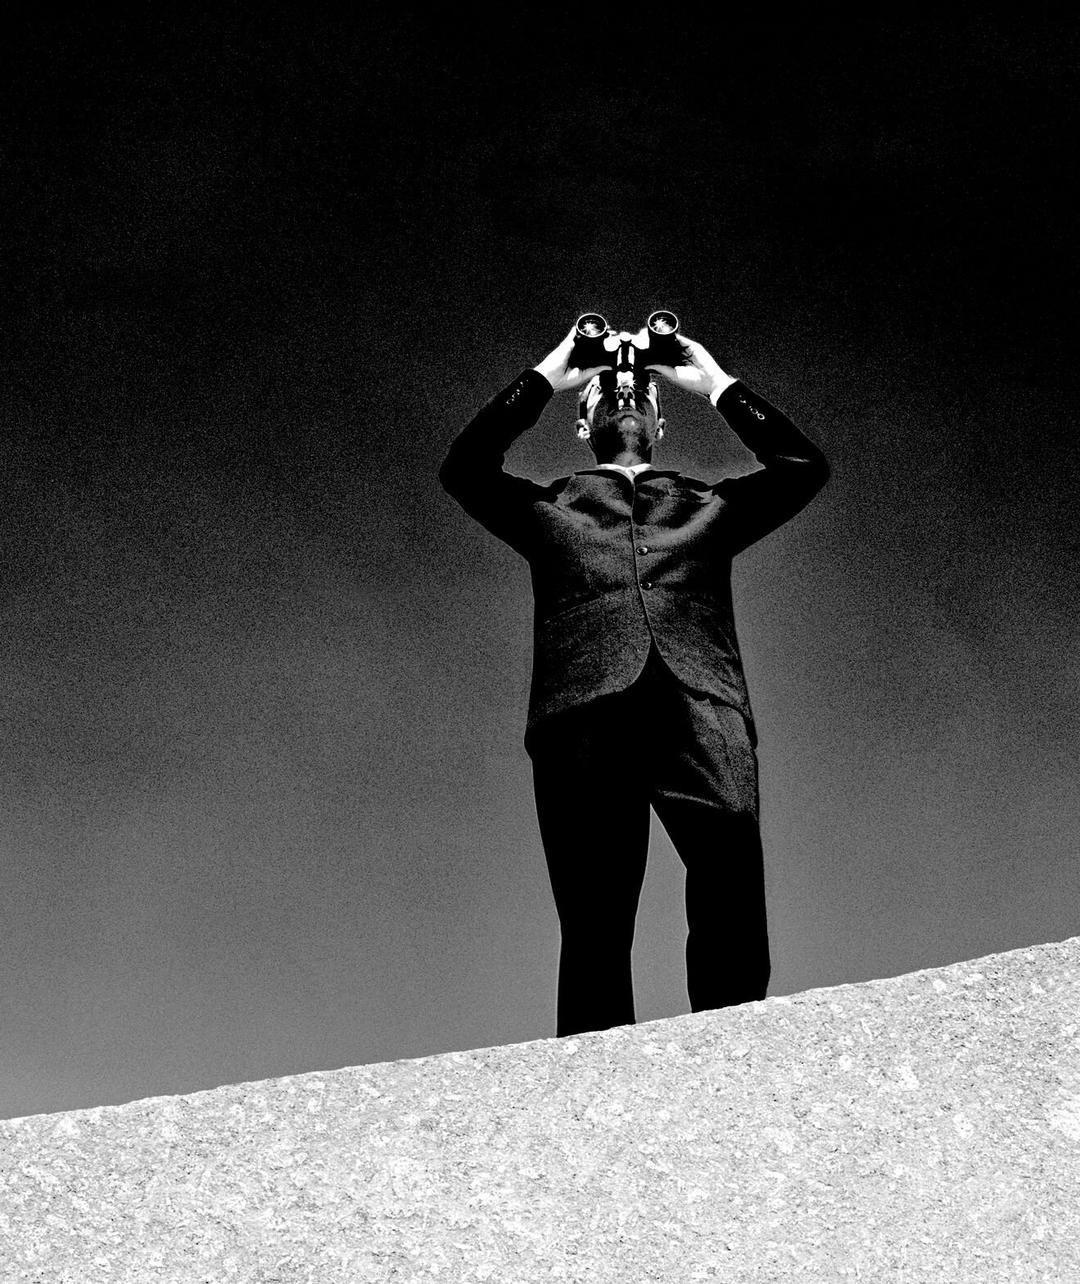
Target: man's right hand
{"points": [[558, 371]]}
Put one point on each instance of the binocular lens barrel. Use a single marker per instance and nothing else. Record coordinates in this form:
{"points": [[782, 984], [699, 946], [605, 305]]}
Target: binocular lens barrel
{"points": [[663, 323], [592, 339], [591, 325]]}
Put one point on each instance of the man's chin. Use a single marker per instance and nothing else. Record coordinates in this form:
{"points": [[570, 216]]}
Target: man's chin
{"points": [[627, 422]]}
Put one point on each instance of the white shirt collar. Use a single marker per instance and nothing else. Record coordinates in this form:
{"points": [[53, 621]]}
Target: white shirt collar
{"points": [[628, 469]]}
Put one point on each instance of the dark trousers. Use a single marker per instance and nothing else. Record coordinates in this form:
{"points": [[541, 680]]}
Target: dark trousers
{"points": [[596, 771]]}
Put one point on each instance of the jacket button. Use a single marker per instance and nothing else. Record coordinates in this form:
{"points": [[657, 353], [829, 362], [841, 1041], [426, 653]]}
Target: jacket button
{"points": [[643, 548]]}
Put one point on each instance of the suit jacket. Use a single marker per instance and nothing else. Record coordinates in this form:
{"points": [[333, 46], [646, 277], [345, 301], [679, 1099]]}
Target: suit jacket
{"points": [[618, 563]]}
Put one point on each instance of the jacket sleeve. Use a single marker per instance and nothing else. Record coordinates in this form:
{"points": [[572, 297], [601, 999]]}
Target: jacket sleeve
{"points": [[472, 471], [794, 468]]}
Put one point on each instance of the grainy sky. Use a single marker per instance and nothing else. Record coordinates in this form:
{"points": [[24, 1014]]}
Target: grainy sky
{"points": [[264, 806]]}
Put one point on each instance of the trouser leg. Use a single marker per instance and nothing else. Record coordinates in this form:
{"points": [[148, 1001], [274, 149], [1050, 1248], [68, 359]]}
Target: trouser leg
{"points": [[706, 796], [593, 813], [727, 941]]}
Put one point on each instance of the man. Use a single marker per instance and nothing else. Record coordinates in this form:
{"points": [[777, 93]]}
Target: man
{"points": [[638, 696]]}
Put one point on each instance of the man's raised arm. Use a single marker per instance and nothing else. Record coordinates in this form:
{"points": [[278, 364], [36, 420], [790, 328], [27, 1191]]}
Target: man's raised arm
{"points": [[794, 469], [473, 472]]}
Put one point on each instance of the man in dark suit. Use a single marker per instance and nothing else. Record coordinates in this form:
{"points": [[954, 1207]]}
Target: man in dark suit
{"points": [[638, 696]]}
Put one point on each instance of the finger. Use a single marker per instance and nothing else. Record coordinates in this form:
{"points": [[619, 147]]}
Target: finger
{"points": [[691, 350], [575, 377]]}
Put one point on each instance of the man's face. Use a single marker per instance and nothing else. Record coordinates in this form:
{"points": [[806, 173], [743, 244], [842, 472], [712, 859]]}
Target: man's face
{"points": [[621, 416]]}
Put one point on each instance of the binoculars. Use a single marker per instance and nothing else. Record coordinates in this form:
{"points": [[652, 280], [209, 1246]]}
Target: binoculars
{"points": [[593, 335]]}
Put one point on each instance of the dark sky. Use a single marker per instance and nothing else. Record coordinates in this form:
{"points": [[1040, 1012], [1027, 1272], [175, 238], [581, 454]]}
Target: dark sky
{"points": [[264, 806]]}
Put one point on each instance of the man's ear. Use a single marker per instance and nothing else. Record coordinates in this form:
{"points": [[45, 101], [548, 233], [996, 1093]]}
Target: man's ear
{"points": [[583, 429]]}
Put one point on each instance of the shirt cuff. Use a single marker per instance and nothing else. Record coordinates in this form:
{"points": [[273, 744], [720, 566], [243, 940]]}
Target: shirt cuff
{"points": [[715, 396]]}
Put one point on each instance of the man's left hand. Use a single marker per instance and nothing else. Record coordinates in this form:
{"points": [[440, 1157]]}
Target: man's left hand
{"points": [[700, 373]]}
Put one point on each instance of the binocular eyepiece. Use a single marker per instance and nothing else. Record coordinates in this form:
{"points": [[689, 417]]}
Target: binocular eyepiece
{"points": [[590, 348]]}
